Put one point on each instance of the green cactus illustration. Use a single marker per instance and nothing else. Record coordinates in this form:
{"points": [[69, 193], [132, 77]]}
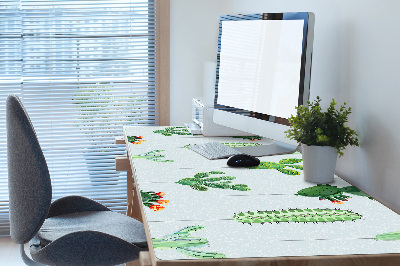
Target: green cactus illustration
{"points": [[169, 131], [355, 191], [202, 181], [240, 144], [331, 193], [135, 139], [388, 236], [153, 200], [297, 216], [154, 156], [186, 146], [281, 166], [233, 144], [251, 138], [182, 242]]}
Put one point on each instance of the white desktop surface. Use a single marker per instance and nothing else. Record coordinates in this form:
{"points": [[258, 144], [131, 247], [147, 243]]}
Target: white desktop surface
{"points": [[270, 189]]}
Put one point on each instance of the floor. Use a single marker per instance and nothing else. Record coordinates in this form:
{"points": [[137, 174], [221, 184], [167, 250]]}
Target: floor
{"points": [[9, 253]]}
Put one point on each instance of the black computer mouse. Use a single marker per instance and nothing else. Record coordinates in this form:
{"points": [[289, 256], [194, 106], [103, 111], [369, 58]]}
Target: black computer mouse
{"points": [[242, 160]]}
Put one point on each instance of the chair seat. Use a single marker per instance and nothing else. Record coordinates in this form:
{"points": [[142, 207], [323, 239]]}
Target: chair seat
{"points": [[108, 222]]}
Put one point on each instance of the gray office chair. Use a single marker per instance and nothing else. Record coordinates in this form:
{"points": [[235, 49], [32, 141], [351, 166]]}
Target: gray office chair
{"points": [[70, 231]]}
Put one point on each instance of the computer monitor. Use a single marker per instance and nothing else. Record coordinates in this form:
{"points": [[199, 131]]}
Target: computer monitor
{"points": [[263, 73]]}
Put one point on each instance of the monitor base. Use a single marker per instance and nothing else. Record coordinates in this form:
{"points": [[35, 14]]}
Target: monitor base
{"points": [[275, 148]]}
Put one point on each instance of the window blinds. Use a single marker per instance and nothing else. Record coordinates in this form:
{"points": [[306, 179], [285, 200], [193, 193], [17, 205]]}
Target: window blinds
{"points": [[83, 69]]}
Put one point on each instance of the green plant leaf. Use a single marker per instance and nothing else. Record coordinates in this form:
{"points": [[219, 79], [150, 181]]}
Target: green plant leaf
{"points": [[312, 126]]}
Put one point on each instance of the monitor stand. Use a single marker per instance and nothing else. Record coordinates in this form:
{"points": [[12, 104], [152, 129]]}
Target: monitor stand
{"points": [[275, 148]]}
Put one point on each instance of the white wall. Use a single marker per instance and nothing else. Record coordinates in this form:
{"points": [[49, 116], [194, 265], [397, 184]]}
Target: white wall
{"points": [[194, 41], [355, 60]]}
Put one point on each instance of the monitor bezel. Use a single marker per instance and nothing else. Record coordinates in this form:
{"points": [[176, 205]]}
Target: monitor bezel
{"points": [[305, 69]]}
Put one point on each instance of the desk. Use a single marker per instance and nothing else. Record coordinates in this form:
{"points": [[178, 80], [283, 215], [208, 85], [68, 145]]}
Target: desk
{"points": [[201, 212]]}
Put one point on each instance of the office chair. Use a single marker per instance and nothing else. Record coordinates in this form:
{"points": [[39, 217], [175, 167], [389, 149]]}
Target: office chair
{"points": [[72, 230]]}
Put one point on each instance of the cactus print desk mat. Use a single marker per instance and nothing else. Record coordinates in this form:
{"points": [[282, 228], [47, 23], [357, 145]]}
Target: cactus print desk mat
{"points": [[201, 209]]}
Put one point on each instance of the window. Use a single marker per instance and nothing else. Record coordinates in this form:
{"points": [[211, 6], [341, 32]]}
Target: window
{"points": [[83, 69]]}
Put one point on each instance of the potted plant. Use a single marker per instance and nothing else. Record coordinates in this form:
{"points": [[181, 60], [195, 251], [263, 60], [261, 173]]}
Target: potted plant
{"points": [[323, 135]]}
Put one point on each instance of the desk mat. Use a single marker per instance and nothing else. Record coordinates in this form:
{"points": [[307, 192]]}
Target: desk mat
{"points": [[197, 208]]}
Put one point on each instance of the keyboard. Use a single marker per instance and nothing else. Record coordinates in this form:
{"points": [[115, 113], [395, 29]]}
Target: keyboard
{"points": [[214, 150]]}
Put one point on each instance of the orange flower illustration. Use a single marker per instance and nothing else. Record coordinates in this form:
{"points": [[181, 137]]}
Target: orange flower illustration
{"points": [[136, 139], [156, 208], [163, 202], [160, 194]]}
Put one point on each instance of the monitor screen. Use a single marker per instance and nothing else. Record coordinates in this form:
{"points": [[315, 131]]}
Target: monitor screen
{"points": [[260, 63]]}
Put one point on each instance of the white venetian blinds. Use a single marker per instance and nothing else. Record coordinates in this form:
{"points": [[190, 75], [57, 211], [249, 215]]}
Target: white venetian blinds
{"points": [[83, 69]]}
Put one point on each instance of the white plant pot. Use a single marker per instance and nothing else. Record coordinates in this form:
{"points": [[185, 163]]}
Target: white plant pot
{"points": [[319, 163]]}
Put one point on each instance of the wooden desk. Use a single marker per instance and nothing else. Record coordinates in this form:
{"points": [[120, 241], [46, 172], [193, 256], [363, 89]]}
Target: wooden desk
{"points": [[201, 212]]}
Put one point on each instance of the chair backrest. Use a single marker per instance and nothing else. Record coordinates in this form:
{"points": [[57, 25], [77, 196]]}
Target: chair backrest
{"points": [[29, 183]]}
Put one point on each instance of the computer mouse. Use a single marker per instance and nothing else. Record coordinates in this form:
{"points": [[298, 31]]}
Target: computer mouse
{"points": [[242, 160]]}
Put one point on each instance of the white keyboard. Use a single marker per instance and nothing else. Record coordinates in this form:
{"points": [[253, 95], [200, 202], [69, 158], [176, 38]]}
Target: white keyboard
{"points": [[213, 150]]}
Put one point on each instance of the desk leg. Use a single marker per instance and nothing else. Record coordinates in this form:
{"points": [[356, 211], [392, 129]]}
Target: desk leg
{"points": [[130, 191], [133, 210], [144, 260], [133, 198], [133, 263]]}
